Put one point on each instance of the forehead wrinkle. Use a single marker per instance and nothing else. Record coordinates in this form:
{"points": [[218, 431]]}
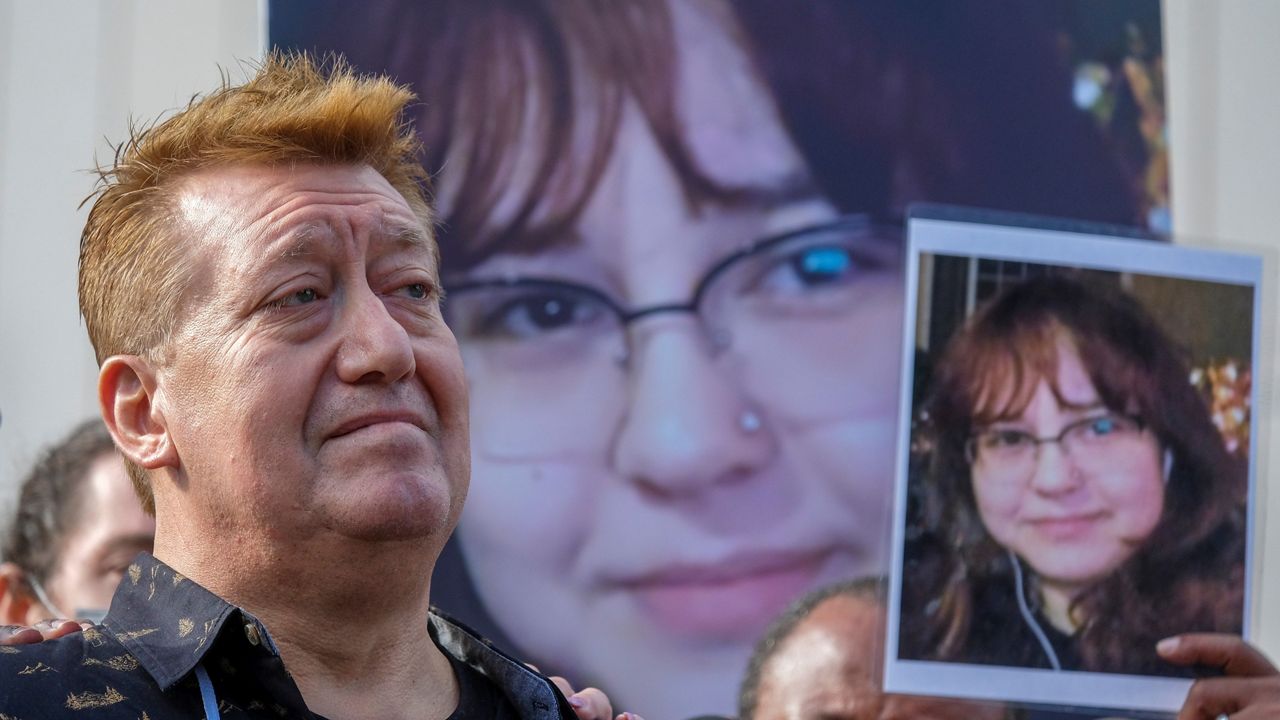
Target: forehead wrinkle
{"points": [[302, 239], [297, 242]]}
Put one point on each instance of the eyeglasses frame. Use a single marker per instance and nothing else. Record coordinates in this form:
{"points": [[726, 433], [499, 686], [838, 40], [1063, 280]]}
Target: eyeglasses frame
{"points": [[971, 450], [626, 315]]}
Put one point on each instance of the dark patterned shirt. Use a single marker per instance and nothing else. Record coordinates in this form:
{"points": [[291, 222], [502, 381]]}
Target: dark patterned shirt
{"points": [[166, 637]]}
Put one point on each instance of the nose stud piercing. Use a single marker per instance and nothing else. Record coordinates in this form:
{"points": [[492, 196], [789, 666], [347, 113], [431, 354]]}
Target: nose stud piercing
{"points": [[749, 421], [719, 339]]}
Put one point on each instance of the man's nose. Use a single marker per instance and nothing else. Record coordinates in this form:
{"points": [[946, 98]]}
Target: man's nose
{"points": [[690, 424], [1055, 471], [374, 347]]}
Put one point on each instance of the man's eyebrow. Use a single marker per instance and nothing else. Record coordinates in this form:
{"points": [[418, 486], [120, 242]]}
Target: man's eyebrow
{"points": [[302, 240], [413, 237], [409, 236]]}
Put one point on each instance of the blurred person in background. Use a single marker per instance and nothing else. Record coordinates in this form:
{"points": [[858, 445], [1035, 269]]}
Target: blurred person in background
{"points": [[679, 306], [823, 659], [77, 527]]}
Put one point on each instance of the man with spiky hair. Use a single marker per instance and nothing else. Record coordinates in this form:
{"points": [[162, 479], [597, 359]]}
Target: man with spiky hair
{"points": [[258, 277]]}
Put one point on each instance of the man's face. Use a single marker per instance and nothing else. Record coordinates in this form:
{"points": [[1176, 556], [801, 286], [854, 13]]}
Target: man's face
{"points": [[310, 385], [108, 530]]}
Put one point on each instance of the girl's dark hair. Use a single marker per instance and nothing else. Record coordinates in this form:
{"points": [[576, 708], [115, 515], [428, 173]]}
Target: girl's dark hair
{"points": [[899, 101], [51, 497], [1187, 575], [521, 100], [888, 101]]}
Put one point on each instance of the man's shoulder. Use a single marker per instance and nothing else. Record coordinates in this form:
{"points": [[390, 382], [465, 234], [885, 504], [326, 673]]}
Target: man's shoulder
{"points": [[86, 669], [64, 653]]}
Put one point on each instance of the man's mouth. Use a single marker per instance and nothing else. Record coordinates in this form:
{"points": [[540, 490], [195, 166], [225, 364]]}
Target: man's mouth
{"points": [[371, 420]]}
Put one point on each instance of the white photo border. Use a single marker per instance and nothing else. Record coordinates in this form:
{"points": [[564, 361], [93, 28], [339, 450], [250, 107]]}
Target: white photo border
{"points": [[1019, 238]]}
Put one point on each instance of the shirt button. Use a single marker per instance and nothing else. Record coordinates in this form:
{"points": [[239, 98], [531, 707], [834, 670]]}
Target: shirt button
{"points": [[251, 632]]}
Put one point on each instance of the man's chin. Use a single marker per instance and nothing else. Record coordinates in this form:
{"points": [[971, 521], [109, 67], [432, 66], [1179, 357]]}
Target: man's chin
{"points": [[387, 511], [393, 532]]}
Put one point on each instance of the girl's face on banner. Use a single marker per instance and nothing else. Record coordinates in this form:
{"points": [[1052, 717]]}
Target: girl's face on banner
{"points": [[651, 491]]}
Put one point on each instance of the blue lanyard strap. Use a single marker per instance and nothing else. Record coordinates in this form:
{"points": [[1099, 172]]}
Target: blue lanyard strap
{"points": [[206, 694]]}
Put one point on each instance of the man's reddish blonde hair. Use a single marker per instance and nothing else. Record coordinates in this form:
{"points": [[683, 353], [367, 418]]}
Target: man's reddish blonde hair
{"points": [[293, 110]]}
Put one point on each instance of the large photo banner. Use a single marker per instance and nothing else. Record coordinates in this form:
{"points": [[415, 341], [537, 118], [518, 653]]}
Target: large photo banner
{"points": [[672, 249]]}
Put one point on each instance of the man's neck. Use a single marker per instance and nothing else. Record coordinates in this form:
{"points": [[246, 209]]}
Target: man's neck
{"points": [[387, 668], [352, 632]]}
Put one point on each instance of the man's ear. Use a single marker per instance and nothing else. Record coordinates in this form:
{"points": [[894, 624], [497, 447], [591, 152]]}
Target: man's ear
{"points": [[16, 602], [127, 389]]}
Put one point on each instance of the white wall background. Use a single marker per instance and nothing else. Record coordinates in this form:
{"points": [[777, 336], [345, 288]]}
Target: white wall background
{"points": [[71, 75], [1222, 64], [72, 72]]}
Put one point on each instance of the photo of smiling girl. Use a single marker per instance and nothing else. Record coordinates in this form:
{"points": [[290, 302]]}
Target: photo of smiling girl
{"points": [[1079, 501]]}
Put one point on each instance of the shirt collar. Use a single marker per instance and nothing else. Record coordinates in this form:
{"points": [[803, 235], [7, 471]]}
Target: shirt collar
{"points": [[167, 621], [532, 694]]}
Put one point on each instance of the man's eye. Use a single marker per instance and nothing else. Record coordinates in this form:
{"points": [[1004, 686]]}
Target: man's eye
{"points": [[299, 297], [417, 291]]}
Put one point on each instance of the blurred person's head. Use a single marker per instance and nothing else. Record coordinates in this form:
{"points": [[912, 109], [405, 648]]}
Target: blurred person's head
{"points": [[1070, 442], [77, 527], [681, 335], [822, 660]]}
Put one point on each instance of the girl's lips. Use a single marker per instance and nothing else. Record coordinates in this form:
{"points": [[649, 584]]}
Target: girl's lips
{"points": [[1066, 527], [730, 600]]}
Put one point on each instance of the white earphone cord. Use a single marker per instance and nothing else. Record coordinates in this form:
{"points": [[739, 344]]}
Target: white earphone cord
{"points": [[1029, 618]]}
